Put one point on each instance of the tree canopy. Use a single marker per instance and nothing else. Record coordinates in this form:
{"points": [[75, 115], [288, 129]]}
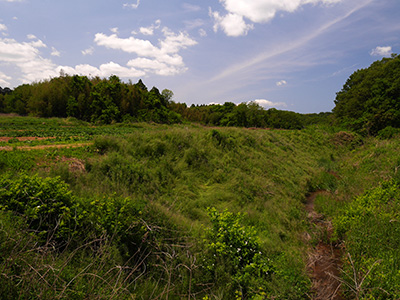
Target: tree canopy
{"points": [[93, 100], [110, 100], [370, 99]]}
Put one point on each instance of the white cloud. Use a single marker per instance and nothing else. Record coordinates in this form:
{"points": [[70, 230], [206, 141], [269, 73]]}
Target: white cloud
{"points": [[154, 66], [3, 27], [12, 51], [55, 52], [281, 83], [132, 5], [88, 51], [150, 30], [165, 56], [4, 79], [381, 51], [231, 24], [267, 104], [161, 59], [114, 30], [105, 70], [261, 11], [202, 32], [257, 11], [26, 57], [192, 24]]}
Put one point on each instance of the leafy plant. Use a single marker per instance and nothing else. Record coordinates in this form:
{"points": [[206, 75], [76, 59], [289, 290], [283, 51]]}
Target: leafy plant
{"points": [[234, 250], [46, 203], [371, 231]]}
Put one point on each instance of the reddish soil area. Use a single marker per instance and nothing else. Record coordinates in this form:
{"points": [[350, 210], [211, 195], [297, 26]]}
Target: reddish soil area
{"points": [[324, 259], [40, 147], [25, 138]]}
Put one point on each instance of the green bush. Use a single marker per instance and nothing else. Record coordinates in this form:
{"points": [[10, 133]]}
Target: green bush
{"points": [[234, 256], [46, 203], [388, 132], [371, 228]]}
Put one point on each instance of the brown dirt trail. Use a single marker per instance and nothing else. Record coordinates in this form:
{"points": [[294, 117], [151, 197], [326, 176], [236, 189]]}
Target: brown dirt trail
{"points": [[324, 259]]}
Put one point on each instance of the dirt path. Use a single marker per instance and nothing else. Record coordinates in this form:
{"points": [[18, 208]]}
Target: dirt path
{"points": [[41, 147], [324, 259]]}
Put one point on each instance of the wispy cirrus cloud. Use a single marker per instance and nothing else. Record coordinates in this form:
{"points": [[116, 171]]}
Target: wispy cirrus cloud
{"points": [[191, 7], [258, 61]]}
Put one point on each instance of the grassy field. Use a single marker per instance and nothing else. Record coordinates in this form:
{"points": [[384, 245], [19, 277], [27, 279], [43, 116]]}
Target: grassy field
{"points": [[144, 211]]}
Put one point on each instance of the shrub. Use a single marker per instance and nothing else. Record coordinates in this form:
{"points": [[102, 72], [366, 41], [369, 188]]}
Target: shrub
{"points": [[234, 254], [388, 132], [45, 203], [371, 228]]}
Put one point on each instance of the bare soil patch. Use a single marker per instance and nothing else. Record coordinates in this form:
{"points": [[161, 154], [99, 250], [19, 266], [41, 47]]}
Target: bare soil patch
{"points": [[74, 165], [41, 147], [323, 260], [25, 138]]}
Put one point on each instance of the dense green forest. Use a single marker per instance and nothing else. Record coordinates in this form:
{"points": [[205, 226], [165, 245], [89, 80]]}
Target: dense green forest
{"points": [[370, 99], [110, 100], [109, 190], [367, 103]]}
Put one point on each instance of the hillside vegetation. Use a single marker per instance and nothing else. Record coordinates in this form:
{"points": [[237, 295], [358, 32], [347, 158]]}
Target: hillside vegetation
{"points": [[369, 101], [171, 209], [135, 214]]}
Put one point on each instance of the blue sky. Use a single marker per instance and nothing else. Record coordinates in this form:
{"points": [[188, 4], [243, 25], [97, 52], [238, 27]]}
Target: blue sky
{"points": [[289, 54]]}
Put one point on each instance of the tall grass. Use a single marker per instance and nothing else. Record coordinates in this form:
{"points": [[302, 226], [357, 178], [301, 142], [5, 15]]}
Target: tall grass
{"points": [[179, 171]]}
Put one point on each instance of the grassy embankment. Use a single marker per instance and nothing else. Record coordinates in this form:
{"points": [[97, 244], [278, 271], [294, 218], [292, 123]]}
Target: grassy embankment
{"points": [[364, 206], [139, 199]]}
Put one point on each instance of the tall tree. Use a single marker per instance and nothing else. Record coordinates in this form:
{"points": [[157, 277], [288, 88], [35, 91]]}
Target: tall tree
{"points": [[370, 99]]}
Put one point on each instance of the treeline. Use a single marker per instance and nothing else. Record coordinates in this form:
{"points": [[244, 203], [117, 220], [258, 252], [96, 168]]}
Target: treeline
{"points": [[110, 100], [243, 115], [369, 101], [93, 100]]}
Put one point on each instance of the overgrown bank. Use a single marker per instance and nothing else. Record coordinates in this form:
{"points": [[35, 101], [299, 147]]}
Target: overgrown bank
{"points": [[157, 212], [136, 216]]}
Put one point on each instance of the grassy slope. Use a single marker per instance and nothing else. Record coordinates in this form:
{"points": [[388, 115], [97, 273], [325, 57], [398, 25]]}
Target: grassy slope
{"points": [[179, 171], [367, 216]]}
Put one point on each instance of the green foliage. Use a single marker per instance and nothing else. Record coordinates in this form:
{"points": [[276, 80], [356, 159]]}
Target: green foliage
{"points": [[46, 203], [234, 252], [370, 226], [102, 101], [142, 199], [250, 115], [369, 100], [388, 132]]}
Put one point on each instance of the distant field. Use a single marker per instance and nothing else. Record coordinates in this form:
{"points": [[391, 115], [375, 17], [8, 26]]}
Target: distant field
{"points": [[29, 132]]}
